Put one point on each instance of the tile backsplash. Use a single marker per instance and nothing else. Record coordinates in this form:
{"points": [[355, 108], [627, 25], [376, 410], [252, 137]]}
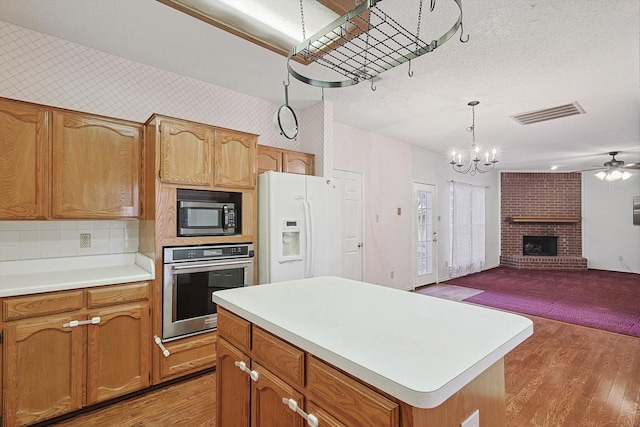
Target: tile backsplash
{"points": [[52, 239]]}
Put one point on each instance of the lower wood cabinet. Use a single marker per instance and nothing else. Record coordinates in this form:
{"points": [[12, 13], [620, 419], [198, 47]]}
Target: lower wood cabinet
{"points": [[69, 349], [262, 380]]}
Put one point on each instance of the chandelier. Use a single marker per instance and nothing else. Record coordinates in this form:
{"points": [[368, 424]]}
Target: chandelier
{"points": [[474, 165]]}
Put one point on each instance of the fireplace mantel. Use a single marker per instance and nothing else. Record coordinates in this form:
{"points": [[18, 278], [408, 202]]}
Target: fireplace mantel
{"points": [[553, 219]]}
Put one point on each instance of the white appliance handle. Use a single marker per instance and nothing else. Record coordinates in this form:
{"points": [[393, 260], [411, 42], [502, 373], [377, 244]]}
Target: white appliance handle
{"points": [[312, 236], [308, 236]]}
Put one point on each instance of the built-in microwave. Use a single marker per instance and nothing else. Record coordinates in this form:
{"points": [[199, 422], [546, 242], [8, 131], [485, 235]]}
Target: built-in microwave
{"points": [[208, 213]]}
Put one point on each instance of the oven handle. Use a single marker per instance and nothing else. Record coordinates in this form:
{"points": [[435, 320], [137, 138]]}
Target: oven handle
{"points": [[220, 264]]}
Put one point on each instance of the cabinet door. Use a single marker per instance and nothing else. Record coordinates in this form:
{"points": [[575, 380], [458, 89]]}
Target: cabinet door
{"points": [[118, 351], [295, 162], [232, 387], [96, 166], [186, 151], [267, 408], [24, 161], [44, 369], [269, 159], [235, 159]]}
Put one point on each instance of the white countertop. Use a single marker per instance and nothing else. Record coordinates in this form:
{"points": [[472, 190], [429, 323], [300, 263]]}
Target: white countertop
{"points": [[33, 276], [417, 348]]}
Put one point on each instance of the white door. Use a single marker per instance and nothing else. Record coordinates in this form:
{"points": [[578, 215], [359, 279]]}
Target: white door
{"points": [[424, 234], [350, 184]]}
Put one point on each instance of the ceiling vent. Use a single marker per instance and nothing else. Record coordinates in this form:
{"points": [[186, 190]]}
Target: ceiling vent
{"points": [[548, 114]]}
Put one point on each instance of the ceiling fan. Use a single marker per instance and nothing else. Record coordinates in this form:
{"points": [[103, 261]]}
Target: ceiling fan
{"points": [[614, 169]]}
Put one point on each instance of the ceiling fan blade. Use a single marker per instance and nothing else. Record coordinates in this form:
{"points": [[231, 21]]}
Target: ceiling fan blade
{"points": [[591, 169], [632, 166]]}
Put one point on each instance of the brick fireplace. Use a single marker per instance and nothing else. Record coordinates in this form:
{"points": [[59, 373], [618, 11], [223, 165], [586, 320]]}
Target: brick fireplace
{"points": [[542, 204]]}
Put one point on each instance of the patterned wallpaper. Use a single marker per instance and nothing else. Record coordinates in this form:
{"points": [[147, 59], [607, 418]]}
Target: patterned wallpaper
{"points": [[42, 69], [46, 70]]}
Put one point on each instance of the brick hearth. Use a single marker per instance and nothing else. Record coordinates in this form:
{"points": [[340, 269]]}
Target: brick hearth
{"points": [[551, 205]]}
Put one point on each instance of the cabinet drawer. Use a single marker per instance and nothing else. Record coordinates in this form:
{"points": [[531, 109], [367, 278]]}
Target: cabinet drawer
{"points": [[37, 305], [352, 402], [278, 356], [324, 418], [234, 329], [117, 294], [188, 355]]}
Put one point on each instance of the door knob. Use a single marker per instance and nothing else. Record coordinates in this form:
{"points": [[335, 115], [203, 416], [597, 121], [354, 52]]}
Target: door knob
{"points": [[360, 245]]}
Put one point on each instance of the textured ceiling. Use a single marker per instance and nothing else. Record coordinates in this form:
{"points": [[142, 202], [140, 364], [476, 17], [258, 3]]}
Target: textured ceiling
{"points": [[521, 56]]}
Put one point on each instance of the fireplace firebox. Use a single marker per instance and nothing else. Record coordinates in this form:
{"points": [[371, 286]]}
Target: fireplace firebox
{"points": [[540, 245]]}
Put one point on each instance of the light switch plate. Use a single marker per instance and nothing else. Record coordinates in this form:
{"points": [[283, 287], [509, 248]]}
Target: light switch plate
{"points": [[472, 420]]}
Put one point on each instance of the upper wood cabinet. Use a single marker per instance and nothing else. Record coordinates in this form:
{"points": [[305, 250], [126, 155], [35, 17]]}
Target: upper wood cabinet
{"points": [[24, 160], [196, 155], [186, 153], [296, 162], [96, 166], [235, 159], [269, 159], [281, 160]]}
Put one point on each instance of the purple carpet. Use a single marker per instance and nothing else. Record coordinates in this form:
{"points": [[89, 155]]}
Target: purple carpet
{"points": [[606, 300]]}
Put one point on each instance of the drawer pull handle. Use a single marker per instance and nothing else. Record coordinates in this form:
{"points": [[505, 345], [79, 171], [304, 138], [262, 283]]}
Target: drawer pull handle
{"points": [[164, 350], [74, 323], [311, 419], [243, 367]]}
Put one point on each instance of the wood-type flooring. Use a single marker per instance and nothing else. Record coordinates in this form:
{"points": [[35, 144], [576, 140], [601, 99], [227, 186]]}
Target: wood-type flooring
{"points": [[562, 376]]}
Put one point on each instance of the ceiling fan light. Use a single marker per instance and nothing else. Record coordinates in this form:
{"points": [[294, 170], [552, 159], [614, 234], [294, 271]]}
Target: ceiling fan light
{"points": [[615, 175], [601, 175], [626, 175]]}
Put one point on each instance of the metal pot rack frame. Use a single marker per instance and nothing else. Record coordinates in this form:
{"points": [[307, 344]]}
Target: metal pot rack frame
{"points": [[361, 45]]}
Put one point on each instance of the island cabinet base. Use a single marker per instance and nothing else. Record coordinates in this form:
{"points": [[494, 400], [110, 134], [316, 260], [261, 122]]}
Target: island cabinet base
{"points": [[260, 376], [485, 393]]}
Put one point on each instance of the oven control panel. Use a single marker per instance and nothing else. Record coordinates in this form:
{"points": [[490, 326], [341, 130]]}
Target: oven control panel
{"points": [[189, 253]]}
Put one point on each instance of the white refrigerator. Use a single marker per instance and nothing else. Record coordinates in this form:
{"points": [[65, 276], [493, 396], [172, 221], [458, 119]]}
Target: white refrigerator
{"points": [[299, 227]]}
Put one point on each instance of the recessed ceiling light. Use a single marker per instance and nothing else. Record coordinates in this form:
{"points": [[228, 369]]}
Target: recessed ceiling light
{"points": [[553, 168]]}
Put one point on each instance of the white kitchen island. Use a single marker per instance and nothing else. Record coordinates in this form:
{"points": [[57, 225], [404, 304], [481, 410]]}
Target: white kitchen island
{"points": [[436, 360]]}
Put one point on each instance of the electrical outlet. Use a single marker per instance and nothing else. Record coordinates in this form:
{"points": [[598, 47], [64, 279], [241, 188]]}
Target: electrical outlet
{"points": [[392, 274], [472, 420], [85, 240]]}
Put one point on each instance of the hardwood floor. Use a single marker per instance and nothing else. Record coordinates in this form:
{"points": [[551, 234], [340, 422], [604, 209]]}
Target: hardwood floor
{"points": [[564, 375], [190, 403], [568, 375]]}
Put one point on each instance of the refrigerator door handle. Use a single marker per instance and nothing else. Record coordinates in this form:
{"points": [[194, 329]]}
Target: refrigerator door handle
{"points": [[308, 219]]}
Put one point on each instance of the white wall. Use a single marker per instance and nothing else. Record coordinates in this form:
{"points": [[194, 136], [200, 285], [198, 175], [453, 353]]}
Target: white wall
{"points": [[607, 226], [386, 168], [433, 168]]}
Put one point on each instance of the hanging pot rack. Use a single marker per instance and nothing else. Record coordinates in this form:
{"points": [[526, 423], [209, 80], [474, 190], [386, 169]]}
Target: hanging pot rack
{"points": [[364, 43]]}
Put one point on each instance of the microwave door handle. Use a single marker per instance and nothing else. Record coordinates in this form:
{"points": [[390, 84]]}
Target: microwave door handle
{"points": [[221, 264], [225, 210]]}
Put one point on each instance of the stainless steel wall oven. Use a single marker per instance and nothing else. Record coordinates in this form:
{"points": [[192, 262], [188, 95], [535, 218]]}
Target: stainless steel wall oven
{"points": [[191, 275]]}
